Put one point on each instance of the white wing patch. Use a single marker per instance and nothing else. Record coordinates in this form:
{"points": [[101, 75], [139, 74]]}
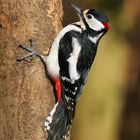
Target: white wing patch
{"points": [[52, 59], [74, 75]]}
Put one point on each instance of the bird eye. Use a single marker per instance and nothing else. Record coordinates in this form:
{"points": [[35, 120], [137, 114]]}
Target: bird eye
{"points": [[89, 16]]}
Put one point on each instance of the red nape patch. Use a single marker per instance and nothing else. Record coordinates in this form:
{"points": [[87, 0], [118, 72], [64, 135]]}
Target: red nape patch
{"points": [[58, 89], [107, 25]]}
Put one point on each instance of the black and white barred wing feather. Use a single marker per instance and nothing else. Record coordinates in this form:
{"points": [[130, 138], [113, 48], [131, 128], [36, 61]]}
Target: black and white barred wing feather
{"points": [[75, 60], [56, 123]]}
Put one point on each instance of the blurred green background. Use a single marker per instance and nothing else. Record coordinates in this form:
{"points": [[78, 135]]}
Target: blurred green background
{"points": [[109, 108]]}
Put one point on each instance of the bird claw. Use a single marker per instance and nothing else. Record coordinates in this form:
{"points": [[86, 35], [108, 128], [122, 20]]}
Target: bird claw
{"points": [[32, 52]]}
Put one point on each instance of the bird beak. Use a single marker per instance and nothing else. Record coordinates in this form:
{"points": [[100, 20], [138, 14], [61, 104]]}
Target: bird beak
{"points": [[77, 9]]}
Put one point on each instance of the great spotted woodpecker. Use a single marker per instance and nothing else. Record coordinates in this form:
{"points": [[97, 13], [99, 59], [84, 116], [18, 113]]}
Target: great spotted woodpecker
{"points": [[68, 63]]}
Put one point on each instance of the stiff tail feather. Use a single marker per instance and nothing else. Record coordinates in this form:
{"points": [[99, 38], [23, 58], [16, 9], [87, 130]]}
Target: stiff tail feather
{"points": [[58, 123]]}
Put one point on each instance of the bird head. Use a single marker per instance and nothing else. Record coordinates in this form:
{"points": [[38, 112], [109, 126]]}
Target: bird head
{"points": [[92, 19]]}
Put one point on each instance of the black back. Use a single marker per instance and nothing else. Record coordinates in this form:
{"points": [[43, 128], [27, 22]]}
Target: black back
{"points": [[85, 59]]}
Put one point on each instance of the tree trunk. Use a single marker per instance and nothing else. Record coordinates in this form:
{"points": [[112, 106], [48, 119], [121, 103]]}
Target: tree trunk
{"points": [[26, 95]]}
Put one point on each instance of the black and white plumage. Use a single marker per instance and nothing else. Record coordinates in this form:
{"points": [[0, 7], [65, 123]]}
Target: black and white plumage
{"points": [[70, 59], [68, 64]]}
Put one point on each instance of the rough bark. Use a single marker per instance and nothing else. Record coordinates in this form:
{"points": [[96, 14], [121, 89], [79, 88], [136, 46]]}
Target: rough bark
{"points": [[26, 95]]}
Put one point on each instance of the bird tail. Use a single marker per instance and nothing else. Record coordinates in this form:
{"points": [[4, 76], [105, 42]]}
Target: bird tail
{"points": [[59, 121]]}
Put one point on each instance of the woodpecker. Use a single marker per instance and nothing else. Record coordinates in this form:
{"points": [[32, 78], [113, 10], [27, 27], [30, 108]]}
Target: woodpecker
{"points": [[68, 64]]}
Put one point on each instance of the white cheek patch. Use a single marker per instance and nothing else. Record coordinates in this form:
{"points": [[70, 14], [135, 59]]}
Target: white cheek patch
{"points": [[94, 24]]}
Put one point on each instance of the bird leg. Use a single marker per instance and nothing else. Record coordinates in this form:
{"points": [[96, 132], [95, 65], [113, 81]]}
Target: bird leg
{"points": [[33, 53]]}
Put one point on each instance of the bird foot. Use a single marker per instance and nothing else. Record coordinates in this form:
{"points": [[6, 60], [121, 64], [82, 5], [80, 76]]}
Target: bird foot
{"points": [[32, 52]]}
